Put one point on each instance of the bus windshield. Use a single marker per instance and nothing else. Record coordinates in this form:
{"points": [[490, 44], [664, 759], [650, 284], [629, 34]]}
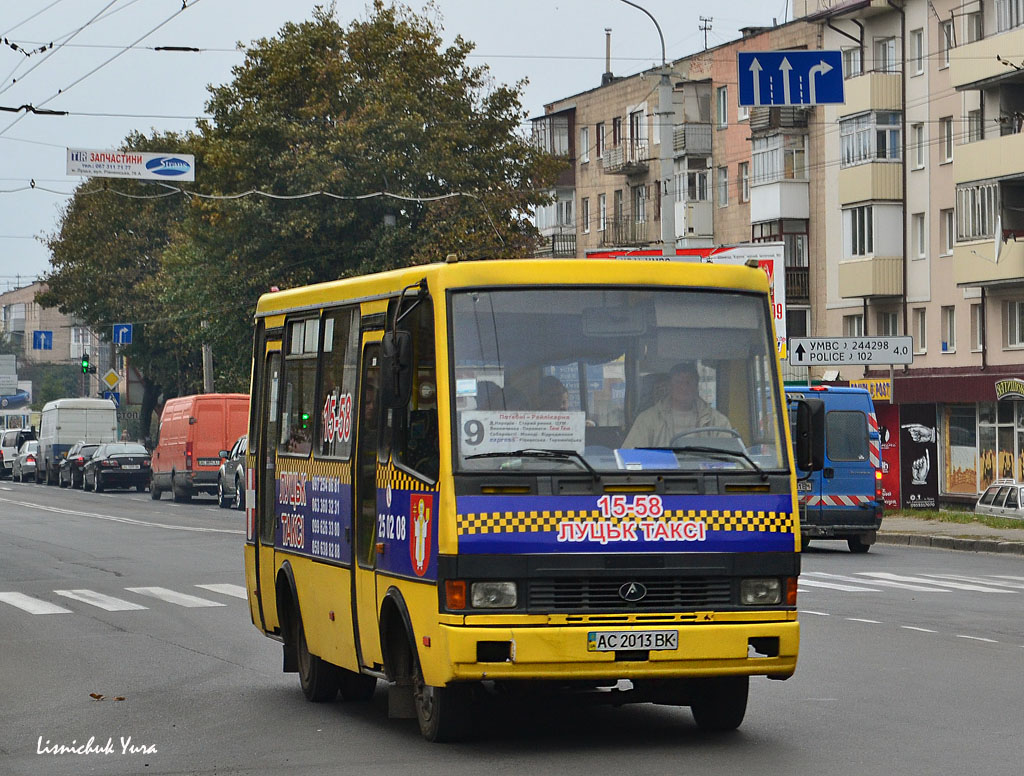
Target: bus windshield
{"points": [[614, 380]]}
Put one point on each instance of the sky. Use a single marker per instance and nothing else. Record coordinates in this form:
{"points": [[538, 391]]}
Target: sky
{"points": [[103, 70]]}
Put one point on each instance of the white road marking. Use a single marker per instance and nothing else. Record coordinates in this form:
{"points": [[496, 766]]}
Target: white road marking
{"points": [[107, 602], [128, 520], [879, 575], [236, 591], [32, 605], [819, 614], [837, 586], [976, 638], [861, 619], [884, 583], [978, 580], [174, 597], [915, 628]]}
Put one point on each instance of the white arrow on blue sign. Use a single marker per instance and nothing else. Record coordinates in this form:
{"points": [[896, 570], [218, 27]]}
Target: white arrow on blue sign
{"points": [[114, 396], [790, 77], [122, 334], [42, 340]]}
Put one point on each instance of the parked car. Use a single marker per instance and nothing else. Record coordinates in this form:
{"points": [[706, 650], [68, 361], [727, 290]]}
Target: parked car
{"points": [[26, 461], [69, 472], [194, 431], [1003, 498], [11, 441], [63, 422], [117, 465], [231, 477]]}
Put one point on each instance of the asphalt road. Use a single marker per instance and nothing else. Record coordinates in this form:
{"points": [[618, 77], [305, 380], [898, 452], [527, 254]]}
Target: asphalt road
{"points": [[910, 664]]}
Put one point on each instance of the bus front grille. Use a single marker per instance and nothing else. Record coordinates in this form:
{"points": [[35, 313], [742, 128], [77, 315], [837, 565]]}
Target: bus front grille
{"points": [[604, 594]]}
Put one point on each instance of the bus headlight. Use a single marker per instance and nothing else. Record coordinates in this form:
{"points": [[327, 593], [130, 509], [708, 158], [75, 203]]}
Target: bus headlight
{"points": [[493, 595], [760, 591]]}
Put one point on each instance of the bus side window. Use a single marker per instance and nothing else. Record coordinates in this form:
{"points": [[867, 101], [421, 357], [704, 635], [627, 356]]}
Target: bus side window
{"points": [[414, 428]]}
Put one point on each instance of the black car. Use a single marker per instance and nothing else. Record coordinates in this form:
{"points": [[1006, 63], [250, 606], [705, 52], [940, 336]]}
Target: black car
{"points": [[231, 477], [69, 472], [117, 465]]}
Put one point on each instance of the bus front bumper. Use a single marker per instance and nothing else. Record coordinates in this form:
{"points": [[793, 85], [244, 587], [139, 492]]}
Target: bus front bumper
{"points": [[561, 652]]}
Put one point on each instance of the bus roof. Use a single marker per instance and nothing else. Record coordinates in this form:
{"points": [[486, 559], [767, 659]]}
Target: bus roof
{"points": [[519, 272]]}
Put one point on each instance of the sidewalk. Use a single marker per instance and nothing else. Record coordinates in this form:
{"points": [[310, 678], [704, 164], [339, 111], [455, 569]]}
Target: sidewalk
{"points": [[970, 537]]}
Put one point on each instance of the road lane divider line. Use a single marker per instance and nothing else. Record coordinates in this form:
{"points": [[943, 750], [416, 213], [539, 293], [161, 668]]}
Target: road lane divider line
{"points": [[977, 580], [107, 602], [885, 575], [115, 519], [882, 582], [32, 605], [976, 638], [235, 591], [916, 628], [838, 586], [818, 614], [863, 619], [174, 597]]}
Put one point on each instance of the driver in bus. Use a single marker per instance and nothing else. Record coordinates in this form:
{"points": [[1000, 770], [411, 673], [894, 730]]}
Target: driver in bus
{"points": [[680, 410]]}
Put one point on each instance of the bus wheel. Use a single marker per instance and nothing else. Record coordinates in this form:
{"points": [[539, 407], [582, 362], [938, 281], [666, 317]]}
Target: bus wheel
{"points": [[443, 712], [355, 687], [805, 542], [857, 544], [318, 678], [721, 703]]}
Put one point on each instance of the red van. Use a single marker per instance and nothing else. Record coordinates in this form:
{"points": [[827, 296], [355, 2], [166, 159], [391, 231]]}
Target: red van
{"points": [[193, 431]]}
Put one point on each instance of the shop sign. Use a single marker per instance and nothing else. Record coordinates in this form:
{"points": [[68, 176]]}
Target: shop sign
{"points": [[880, 388], [1011, 388]]}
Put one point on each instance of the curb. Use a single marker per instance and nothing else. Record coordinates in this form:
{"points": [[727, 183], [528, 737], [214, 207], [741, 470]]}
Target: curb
{"points": [[952, 543]]}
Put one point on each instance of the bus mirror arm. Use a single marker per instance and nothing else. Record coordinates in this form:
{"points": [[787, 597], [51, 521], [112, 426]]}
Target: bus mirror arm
{"points": [[809, 434]]}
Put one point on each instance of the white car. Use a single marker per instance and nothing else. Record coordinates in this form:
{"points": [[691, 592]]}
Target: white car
{"points": [[1003, 498], [11, 441]]}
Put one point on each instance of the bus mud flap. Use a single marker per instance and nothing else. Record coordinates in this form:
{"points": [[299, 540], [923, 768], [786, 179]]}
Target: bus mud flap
{"points": [[401, 704]]}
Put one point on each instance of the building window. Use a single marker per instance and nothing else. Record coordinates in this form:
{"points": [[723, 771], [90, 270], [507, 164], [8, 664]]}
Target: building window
{"points": [[602, 212], [917, 133], [744, 181], [584, 145], [975, 211], [851, 62], [888, 324], [742, 111], [920, 331], [723, 186], [798, 321], [861, 228], [975, 126], [870, 137], [919, 234], [722, 106], [585, 214], [599, 148], [696, 180], [564, 213], [853, 325], [977, 328], [640, 204], [779, 157], [946, 134], [949, 329], [975, 26], [551, 134], [1013, 312], [945, 42], [1009, 14], [885, 55], [946, 235], [917, 50], [616, 130]]}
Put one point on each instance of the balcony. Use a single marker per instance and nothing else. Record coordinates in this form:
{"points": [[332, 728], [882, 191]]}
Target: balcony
{"points": [[870, 277], [557, 246], [764, 117], [781, 199], [975, 263], [691, 139], [997, 157], [873, 91], [798, 284], [976, 64], [871, 181], [694, 219], [629, 158], [628, 233]]}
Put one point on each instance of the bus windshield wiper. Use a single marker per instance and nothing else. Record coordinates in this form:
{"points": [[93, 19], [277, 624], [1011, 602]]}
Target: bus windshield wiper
{"points": [[537, 452], [719, 451]]}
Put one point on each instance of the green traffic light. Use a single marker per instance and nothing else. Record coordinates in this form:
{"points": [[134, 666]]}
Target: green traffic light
{"points": [[85, 363]]}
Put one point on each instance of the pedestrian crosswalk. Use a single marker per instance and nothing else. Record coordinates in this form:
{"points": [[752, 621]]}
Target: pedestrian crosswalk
{"points": [[84, 598], [877, 581]]}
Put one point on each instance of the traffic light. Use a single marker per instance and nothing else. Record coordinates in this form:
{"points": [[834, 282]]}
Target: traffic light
{"points": [[85, 363]]}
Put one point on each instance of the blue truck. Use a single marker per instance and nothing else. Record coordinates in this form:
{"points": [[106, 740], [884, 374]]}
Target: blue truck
{"points": [[844, 499]]}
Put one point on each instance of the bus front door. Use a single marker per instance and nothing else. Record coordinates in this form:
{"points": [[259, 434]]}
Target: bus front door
{"points": [[368, 431], [266, 471]]}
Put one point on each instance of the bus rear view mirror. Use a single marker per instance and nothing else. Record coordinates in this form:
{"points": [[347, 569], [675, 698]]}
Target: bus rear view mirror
{"points": [[396, 369], [808, 433]]}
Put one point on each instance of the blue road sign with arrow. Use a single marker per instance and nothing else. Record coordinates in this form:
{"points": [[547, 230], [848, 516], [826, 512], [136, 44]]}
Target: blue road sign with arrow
{"points": [[122, 334], [114, 396], [790, 77], [42, 340]]}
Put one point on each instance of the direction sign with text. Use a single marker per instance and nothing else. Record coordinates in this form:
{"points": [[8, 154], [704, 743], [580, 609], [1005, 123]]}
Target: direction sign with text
{"points": [[790, 77], [835, 351]]}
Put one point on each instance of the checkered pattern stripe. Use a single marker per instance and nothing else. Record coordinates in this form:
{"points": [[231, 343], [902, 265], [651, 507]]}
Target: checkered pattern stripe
{"points": [[836, 501], [539, 521], [391, 477], [317, 467]]}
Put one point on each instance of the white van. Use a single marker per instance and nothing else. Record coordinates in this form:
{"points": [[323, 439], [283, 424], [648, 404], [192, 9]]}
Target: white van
{"points": [[66, 421]]}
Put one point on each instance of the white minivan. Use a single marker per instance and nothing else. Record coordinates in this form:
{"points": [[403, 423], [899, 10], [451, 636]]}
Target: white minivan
{"points": [[66, 421], [10, 442]]}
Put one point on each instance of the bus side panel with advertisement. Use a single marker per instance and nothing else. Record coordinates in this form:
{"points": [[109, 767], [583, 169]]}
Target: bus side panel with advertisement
{"points": [[459, 474]]}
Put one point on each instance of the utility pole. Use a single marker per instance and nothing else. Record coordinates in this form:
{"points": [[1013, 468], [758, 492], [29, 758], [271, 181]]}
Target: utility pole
{"points": [[207, 365], [704, 27]]}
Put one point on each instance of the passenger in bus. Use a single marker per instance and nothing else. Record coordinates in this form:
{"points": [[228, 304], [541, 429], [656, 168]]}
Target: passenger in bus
{"points": [[552, 394], [680, 410]]}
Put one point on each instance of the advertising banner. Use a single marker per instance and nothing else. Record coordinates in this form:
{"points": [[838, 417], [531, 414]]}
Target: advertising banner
{"points": [[919, 456], [141, 165], [889, 435]]}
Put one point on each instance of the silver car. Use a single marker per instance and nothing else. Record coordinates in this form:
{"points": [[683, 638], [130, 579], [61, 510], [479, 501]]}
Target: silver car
{"points": [[25, 462], [231, 477], [1003, 498]]}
